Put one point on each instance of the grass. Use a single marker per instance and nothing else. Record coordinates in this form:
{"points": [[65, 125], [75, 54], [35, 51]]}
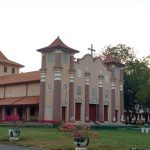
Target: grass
{"points": [[53, 139]]}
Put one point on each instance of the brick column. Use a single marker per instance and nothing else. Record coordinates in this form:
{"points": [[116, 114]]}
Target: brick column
{"points": [[121, 103], [42, 88], [101, 105], [71, 89], [113, 117], [87, 90], [71, 97], [57, 109]]}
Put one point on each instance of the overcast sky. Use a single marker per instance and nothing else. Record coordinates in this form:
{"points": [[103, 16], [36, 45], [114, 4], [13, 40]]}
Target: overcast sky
{"points": [[27, 25]]}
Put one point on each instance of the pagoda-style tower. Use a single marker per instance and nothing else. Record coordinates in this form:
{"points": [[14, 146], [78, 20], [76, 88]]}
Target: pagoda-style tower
{"points": [[116, 68], [57, 82]]}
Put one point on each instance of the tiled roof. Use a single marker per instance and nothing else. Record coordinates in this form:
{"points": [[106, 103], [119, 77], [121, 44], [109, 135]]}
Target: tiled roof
{"points": [[109, 59], [9, 101], [20, 78], [4, 59], [29, 100], [58, 43]]}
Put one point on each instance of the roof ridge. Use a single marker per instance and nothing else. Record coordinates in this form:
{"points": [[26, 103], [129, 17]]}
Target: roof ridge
{"points": [[58, 43], [4, 59]]}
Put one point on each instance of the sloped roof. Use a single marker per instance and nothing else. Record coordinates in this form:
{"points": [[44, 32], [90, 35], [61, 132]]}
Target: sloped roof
{"points": [[20, 78], [28, 100], [9, 101], [58, 43], [4, 59], [109, 59]]}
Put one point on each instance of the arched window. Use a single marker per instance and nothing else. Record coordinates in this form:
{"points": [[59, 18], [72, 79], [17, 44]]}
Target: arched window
{"points": [[78, 90]]}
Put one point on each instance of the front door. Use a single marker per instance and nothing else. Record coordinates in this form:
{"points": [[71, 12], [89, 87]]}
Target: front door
{"points": [[63, 113], [105, 112], [92, 112], [116, 115], [78, 112]]}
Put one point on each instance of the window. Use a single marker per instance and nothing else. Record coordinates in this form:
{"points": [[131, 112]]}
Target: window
{"points": [[78, 90], [113, 72], [121, 74], [79, 72], [106, 78], [50, 57], [13, 70], [5, 69], [106, 95], [65, 58], [94, 92]]}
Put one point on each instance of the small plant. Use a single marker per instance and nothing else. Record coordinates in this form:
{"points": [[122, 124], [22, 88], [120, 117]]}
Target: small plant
{"points": [[69, 126], [81, 130]]}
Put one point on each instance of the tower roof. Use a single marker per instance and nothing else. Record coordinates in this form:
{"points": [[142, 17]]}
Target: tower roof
{"points": [[109, 59], [5, 60], [58, 43]]}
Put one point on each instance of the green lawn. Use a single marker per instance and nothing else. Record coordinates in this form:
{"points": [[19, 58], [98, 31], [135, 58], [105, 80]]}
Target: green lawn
{"points": [[53, 139]]}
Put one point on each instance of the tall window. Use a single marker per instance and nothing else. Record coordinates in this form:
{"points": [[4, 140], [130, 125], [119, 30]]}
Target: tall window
{"points": [[13, 70], [50, 57], [106, 95], [65, 58], [78, 90], [94, 92], [79, 72], [113, 72], [121, 74], [5, 69]]}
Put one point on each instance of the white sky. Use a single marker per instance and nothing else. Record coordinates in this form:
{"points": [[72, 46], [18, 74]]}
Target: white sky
{"points": [[27, 25]]}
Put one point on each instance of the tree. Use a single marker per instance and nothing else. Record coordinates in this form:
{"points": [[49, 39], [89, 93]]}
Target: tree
{"points": [[121, 52]]}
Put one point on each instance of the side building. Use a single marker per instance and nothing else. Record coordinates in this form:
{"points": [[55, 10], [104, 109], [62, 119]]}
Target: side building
{"points": [[19, 92]]}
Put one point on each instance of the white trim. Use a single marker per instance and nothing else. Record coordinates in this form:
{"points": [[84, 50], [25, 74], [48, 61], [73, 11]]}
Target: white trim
{"points": [[57, 75], [87, 80], [121, 87], [58, 51], [71, 78], [100, 83], [43, 77], [113, 84]]}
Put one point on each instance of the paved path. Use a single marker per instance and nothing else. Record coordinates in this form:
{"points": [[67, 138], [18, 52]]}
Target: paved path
{"points": [[13, 147]]}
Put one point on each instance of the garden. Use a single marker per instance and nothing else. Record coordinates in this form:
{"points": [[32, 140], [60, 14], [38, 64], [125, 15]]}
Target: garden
{"points": [[50, 138]]}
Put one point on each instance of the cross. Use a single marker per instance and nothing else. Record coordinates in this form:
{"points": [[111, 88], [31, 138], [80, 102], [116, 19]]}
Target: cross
{"points": [[91, 49]]}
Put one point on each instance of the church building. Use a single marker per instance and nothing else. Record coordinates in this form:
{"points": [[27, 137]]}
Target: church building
{"points": [[65, 88]]}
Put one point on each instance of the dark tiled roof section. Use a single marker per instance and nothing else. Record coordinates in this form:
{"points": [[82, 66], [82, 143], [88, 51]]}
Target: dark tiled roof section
{"points": [[58, 43], [29, 100], [20, 78], [4, 59], [109, 59]]}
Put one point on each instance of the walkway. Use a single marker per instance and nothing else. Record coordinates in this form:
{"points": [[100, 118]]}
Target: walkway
{"points": [[13, 147]]}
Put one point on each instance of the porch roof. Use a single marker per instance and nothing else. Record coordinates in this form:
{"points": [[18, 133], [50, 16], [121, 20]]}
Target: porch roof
{"points": [[9, 101], [29, 100]]}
